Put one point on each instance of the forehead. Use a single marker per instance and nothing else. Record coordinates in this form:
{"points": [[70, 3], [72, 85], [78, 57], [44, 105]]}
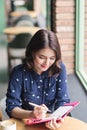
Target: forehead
{"points": [[46, 52]]}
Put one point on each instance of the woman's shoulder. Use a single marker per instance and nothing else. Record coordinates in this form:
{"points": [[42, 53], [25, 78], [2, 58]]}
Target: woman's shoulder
{"points": [[18, 69], [62, 73], [62, 65]]}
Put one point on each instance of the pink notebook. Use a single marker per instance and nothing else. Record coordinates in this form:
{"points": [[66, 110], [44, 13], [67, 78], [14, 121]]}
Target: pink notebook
{"points": [[62, 111]]}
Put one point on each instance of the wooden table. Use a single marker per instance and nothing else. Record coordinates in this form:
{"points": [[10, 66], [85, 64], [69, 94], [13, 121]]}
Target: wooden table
{"points": [[17, 30], [69, 123], [33, 14]]}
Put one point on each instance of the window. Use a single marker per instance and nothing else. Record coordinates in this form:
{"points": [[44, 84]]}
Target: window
{"points": [[81, 41]]}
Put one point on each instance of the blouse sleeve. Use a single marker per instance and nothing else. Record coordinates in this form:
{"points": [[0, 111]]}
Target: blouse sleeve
{"points": [[14, 91], [62, 88]]}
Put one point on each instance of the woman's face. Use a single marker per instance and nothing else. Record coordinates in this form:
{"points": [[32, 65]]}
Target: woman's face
{"points": [[43, 59]]}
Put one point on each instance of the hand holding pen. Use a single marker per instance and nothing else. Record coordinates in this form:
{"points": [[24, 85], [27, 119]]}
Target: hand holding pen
{"points": [[39, 110]]}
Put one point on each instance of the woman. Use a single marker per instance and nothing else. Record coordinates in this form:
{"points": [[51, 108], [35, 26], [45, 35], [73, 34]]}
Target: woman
{"points": [[41, 79]]}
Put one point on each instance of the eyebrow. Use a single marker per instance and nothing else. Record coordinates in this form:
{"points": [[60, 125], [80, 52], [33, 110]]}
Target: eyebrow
{"points": [[46, 56]]}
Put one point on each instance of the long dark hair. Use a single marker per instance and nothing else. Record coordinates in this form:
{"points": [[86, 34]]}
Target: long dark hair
{"points": [[43, 39]]}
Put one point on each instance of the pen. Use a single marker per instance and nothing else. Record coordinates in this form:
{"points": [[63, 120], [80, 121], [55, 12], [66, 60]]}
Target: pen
{"points": [[35, 105]]}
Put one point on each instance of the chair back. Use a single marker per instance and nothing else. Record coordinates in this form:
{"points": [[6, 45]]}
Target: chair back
{"points": [[20, 41], [16, 49]]}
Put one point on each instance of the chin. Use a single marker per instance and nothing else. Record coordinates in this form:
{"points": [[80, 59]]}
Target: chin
{"points": [[44, 69]]}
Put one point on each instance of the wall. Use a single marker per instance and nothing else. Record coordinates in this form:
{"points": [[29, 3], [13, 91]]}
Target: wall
{"points": [[65, 30]]}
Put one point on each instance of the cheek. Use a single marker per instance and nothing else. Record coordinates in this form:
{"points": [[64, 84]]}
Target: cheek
{"points": [[37, 61], [52, 62]]}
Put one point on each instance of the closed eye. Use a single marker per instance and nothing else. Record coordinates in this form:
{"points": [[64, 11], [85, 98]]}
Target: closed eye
{"points": [[41, 57], [52, 58]]}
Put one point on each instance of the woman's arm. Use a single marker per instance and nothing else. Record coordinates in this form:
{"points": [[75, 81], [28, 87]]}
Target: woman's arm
{"points": [[21, 113], [14, 91], [39, 112], [62, 95]]}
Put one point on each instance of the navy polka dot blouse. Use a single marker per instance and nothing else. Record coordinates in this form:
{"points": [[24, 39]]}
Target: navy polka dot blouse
{"points": [[27, 86]]}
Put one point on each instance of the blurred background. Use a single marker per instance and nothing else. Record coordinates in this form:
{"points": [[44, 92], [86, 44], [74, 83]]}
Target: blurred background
{"points": [[20, 19]]}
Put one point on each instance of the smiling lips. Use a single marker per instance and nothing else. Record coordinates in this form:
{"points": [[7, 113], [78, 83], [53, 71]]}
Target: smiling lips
{"points": [[44, 66]]}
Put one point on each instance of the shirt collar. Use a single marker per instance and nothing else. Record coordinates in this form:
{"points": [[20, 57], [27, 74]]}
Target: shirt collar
{"points": [[36, 76]]}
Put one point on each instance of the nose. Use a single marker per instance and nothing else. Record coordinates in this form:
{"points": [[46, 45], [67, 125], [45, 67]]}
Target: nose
{"points": [[47, 62]]}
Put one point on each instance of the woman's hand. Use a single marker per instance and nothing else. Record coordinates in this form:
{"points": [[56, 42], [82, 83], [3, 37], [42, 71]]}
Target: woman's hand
{"points": [[40, 111], [53, 124]]}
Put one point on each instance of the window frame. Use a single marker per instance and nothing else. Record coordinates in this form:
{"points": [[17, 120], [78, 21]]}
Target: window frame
{"points": [[80, 19]]}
